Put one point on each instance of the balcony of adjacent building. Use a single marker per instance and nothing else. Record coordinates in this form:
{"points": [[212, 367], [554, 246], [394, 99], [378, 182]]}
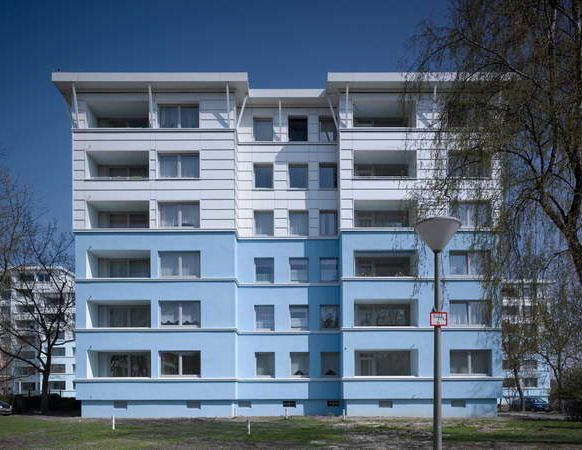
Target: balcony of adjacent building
{"points": [[118, 264], [117, 165], [384, 214], [118, 214]]}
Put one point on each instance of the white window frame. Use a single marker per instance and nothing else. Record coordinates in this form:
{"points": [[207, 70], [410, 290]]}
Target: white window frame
{"points": [[264, 211], [272, 260], [180, 363], [179, 206], [181, 304], [265, 308], [179, 106], [180, 256], [271, 355], [304, 357], [337, 276], [296, 308], [295, 166], [469, 354], [263, 165], [305, 266], [179, 156], [264, 119]]}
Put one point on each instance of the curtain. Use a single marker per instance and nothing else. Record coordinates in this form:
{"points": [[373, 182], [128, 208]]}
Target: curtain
{"points": [[265, 317], [299, 317], [189, 117], [191, 313], [168, 117], [329, 316], [190, 264], [169, 216], [328, 269], [299, 223], [459, 314], [264, 223], [190, 215], [190, 166], [169, 166], [329, 364], [299, 270], [328, 223], [170, 313], [170, 363], [265, 364], [169, 265], [300, 364]]}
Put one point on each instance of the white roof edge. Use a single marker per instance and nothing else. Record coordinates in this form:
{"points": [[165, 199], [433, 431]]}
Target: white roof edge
{"points": [[387, 77], [149, 76], [286, 93]]}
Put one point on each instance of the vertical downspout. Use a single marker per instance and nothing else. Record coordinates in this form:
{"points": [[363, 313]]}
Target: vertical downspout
{"points": [[75, 105]]}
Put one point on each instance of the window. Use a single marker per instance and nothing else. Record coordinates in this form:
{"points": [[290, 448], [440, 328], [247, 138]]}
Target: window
{"points": [[297, 128], [327, 176], [327, 130], [330, 364], [472, 214], [299, 317], [58, 351], [509, 383], [123, 220], [298, 223], [264, 223], [327, 223], [458, 404], [289, 404], [27, 386], [329, 316], [180, 363], [265, 364], [123, 365], [385, 264], [470, 362], [245, 404], [383, 363], [333, 403], [463, 165], [180, 264], [124, 316], [263, 129], [263, 176], [530, 382], [299, 364], [265, 317], [57, 385], [184, 165], [264, 270], [119, 404], [186, 314], [328, 269], [530, 364], [180, 215], [124, 268], [193, 404], [299, 270], [469, 313], [382, 219], [298, 176], [179, 116], [385, 404], [468, 263], [58, 368], [382, 315]]}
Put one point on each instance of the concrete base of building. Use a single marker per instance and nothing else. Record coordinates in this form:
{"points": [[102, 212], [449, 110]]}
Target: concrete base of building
{"points": [[272, 408]]}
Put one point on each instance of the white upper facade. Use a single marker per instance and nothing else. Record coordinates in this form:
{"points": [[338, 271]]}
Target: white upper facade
{"points": [[365, 126]]}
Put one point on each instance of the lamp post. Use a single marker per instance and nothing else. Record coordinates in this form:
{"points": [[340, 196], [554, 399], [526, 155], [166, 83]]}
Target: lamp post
{"points": [[436, 232]]}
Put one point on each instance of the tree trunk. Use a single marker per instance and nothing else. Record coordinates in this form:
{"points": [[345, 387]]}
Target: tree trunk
{"points": [[519, 390], [44, 393]]}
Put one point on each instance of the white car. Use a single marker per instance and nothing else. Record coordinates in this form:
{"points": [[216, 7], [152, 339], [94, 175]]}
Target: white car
{"points": [[5, 409]]}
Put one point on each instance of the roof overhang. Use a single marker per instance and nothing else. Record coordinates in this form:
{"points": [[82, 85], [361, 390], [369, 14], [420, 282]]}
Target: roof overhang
{"points": [[288, 97], [159, 82], [384, 81]]}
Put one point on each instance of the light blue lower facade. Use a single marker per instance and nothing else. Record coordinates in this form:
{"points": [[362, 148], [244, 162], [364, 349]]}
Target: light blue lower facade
{"points": [[228, 341]]}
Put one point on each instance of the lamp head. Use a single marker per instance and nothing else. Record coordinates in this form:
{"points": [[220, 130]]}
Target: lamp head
{"points": [[437, 231]]}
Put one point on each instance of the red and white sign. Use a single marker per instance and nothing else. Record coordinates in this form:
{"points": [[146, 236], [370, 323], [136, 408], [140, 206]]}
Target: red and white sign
{"points": [[438, 319]]}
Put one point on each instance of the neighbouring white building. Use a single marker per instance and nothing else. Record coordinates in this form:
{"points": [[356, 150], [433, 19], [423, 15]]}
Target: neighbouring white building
{"points": [[20, 377]]}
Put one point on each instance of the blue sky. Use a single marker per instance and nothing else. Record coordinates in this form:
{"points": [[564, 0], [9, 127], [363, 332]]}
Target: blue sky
{"points": [[281, 44]]}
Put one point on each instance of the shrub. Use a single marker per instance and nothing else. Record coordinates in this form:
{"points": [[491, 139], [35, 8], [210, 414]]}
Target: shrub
{"points": [[571, 393]]}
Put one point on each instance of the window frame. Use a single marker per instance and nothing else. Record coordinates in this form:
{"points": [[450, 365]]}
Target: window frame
{"points": [[297, 118], [337, 274], [297, 308], [272, 266], [181, 353], [299, 165], [197, 307], [179, 107], [303, 358], [178, 155], [328, 166], [271, 356], [469, 355], [263, 166], [322, 307], [303, 214], [180, 255], [180, 214], [327, 119], [328, 212], [305, 263], [272, 225], [271, 310], [263, 119]]}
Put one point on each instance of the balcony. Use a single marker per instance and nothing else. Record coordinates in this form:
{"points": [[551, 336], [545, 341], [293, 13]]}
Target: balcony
{"points": [[383, 214], [114, 165], [385, 264], [383, 111], [118, 215], [119, 264], [115, 110], [133, 364], [371, 164], [119, 314]]}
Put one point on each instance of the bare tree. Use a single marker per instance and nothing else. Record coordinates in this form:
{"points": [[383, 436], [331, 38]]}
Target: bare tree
{"points": [[46, 302]]}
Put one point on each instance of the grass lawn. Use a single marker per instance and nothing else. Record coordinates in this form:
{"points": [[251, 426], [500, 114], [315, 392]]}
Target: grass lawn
{"points": [[297, 432]]}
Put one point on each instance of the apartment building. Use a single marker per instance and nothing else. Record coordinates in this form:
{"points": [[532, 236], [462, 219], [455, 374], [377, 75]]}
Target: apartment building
{"points": [[16, 304], [250, 251], [519, 303]]}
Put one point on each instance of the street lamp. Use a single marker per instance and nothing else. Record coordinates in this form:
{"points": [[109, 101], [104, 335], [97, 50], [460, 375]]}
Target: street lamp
{"points": [[436, 232]]}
